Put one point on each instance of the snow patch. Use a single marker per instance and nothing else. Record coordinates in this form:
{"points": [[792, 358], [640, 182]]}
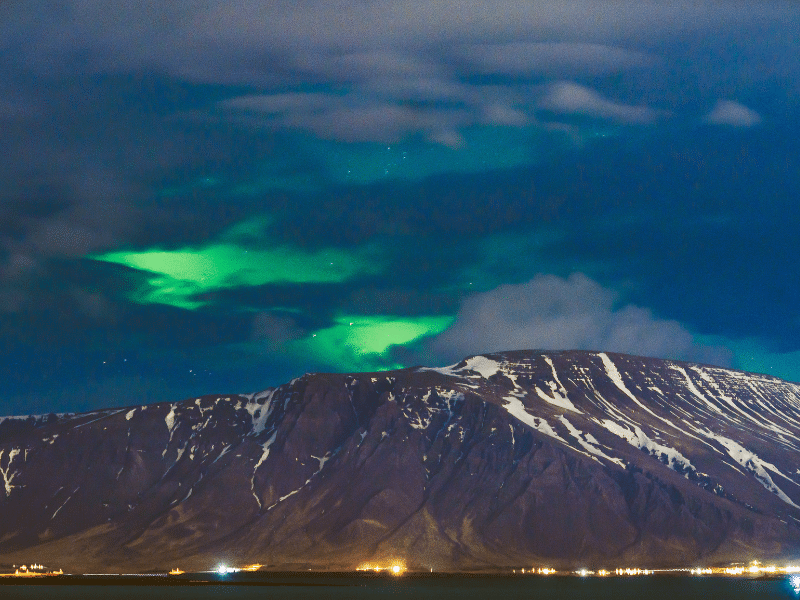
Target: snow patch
{"points": [[638, 438], [558, 393], [588, 441], [422, 419], [260, 408], [225, 450], [517, 410], [7, 476], [613, 375], [750, 461], [264, 454], [322, 460], [485, 367], [170, 419], [65, 502], [694, 390], [129, 414]]}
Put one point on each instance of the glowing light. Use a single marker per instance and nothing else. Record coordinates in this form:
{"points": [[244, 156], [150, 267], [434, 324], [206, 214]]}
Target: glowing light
{"points": [[35, 570], [180, 277], [364, 342], [396, 568], [176, 571], [225, 569], [583, 572]]}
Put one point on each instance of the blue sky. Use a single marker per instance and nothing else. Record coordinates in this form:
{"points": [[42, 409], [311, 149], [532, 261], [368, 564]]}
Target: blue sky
{"points": [[215, 197]]}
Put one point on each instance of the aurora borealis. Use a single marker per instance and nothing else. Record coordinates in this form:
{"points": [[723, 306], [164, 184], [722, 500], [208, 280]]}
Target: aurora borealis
{"points": [[181, 276], [217, 197]]}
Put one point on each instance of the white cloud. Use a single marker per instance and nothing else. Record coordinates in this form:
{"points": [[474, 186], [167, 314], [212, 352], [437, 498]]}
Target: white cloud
{"points": [[570, 98], [728, 112], [577, 313]]}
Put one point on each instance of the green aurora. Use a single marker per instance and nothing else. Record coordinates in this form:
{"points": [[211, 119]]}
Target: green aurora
{"points": [[364, 343], [183, 278], [179, 277]]}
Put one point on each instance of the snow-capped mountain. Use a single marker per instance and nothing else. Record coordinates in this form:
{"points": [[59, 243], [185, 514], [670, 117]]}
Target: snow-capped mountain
{"points": [[520, 458]]}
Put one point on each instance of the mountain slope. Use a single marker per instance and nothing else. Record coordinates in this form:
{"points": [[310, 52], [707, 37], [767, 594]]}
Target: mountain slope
{"points": [[519, 458]]}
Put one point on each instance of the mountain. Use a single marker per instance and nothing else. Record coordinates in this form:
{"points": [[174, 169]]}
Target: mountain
{"points": [[560, 459]]}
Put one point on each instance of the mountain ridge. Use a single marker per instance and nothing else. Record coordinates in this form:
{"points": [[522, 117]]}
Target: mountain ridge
{"points": [[512, 458]]}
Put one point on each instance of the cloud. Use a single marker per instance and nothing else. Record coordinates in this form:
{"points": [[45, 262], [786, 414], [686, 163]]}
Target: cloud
{"points": [[573, 99], [576, 313], [354, 117], [553, 58], [296, 27], [728, 112], [366, 65], [274, 329], [401, 50], [449, 139], [503, 114], [290, 102]]}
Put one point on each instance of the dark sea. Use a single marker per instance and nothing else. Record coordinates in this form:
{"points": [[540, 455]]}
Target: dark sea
{"points": [[441, 587]]}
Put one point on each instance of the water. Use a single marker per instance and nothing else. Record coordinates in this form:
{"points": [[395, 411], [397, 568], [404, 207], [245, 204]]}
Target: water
{"points": [[347, 587]]}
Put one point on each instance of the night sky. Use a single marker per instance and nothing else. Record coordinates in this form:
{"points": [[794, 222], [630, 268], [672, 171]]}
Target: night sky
{"points": [[208, 197]]}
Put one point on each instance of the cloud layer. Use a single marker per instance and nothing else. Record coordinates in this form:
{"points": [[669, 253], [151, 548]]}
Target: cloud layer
{"points": [[418, 64], [576, 313]]}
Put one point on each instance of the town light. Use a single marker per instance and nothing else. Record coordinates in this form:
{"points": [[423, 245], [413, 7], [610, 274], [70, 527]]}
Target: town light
{"points": [[225, 569]]}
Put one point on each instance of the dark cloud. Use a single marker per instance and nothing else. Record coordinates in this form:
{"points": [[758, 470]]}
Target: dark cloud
{"points": [[412, 48], [275, 329]]}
